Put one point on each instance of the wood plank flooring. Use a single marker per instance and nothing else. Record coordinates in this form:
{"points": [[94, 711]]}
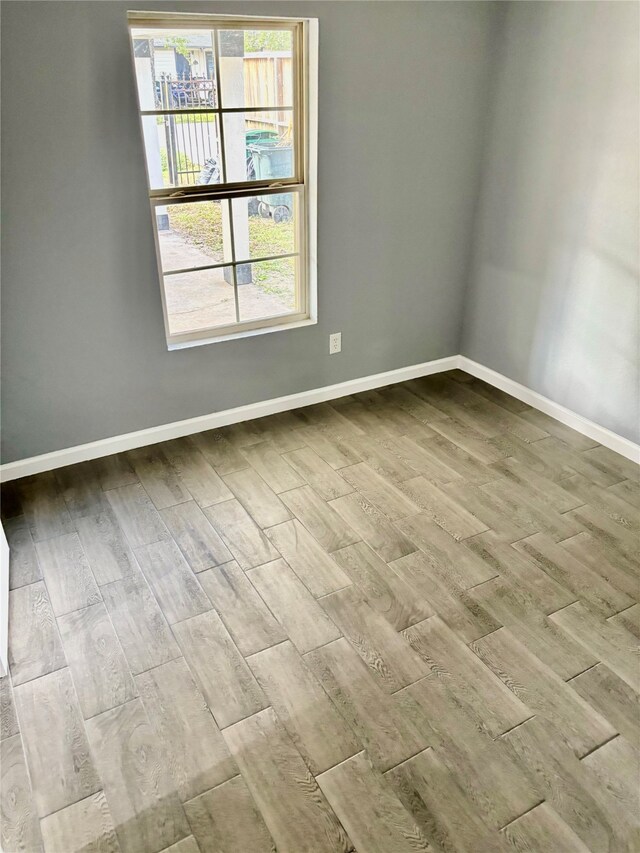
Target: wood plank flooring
{"points": [[406, 620]]}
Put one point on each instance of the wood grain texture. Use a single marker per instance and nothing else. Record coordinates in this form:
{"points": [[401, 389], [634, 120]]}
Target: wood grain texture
{"points": [[8, 719], [197, 756], [303, 619], [175, 586], [449, 559], [468, 439], [425, 596], [326, 526], [486, 768], [313, 470], [382, 588], [84, 827], [24, 567], [227, 820], [380, 458], [628, 490], [488, 510], [458, 459], [366, 422], [616, 767], [97, 663], [329, 446], [601, 595], [60, 762], [612, 698], [219, 452], [388, 498], [160, 480], [143, 631], [44, 507], [316, 727], [611, 536], [571, 789], [521, 476], [146, 810], [543, 829], [34, 642], [495, 708], [611, 462], [530, 508], [242, 536], [515, 567], [107, 551], [372, 526], [261, 502], [19, 828], [445, 814], [137, 516], [629, 619], [418, 457], [186, 845], [457, 607], [245, 615], [223, 677], [81, 489], [513, 608], [200, 544], [612, 644], [194, 472], [388, 727], [604, 562], [399, 421], [369, 810], [293, 807], [543, 692], [387, 653], [272, 467], [449, 457], [402, 398], [66, 571], [315, 568], [115, 471]]}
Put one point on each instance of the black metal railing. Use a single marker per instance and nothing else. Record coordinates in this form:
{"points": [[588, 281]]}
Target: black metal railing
{"points": [[179, 94]]}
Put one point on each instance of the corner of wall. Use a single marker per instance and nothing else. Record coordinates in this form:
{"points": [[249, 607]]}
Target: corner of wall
{"points": [[500, 11]]}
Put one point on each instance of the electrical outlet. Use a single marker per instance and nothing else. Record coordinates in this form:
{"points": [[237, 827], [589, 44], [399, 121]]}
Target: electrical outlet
{"points": [[335, 343]]}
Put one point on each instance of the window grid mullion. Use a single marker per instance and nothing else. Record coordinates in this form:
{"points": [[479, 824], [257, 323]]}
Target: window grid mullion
{"points": [[184, 270], [245, 190], [223, 158], [216, 110]]}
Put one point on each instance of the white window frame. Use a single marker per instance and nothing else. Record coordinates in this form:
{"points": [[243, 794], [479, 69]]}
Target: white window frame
{"points": [[304, 181]]}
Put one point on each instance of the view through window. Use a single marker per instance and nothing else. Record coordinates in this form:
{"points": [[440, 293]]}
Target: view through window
{"points": [[222, 107]]}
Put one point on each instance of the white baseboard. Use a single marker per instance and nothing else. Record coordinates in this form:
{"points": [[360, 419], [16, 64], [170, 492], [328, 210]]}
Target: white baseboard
{"points": [[153, 435], [598, 433], [4, 603]]}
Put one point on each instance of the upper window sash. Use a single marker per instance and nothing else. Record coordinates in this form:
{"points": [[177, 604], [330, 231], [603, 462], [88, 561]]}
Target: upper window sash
{"points": [[186, 105]]}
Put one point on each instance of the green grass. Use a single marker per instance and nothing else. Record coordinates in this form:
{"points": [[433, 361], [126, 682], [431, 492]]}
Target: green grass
{"points": [[201, 225], [188, 118]]}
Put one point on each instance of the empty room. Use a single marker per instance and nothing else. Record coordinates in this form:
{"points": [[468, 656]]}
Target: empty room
{"points": [[320, 472]]}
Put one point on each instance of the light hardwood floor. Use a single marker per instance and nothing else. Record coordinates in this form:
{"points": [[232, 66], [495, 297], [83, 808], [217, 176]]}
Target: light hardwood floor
{"points": [[406, 620]]}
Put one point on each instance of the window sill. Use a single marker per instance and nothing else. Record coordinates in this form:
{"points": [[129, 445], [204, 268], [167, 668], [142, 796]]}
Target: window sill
{"points": [[247, 333]]}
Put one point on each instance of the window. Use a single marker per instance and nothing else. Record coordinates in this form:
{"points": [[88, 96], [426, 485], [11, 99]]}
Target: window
{"points": [[227, 109]]}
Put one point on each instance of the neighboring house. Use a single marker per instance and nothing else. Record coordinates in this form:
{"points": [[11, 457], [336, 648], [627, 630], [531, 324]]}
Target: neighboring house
{"points": [[198, 62]]}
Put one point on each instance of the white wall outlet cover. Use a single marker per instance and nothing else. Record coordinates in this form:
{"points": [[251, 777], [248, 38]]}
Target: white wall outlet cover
{"points": [[335, 343]]}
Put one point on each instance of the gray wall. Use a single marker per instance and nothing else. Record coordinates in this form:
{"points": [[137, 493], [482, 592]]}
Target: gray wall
{"points": [[403, 92], [553, 295]]}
